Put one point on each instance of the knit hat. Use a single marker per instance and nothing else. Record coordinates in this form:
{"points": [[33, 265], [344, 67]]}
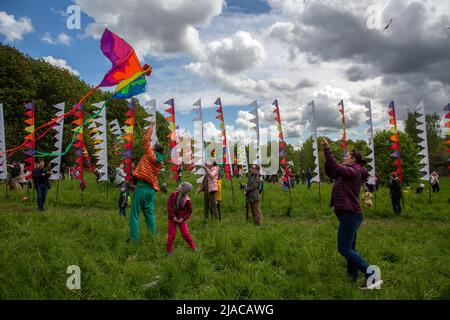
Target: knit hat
{"points": [[185, 188]]}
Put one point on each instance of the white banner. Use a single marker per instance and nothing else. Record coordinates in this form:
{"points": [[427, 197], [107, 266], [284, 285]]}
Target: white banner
{"points": [[313, 127], [199, 145], [3, 165], [56, 169], [150, 108], [422, 128], [371, 156], [101, 142]]}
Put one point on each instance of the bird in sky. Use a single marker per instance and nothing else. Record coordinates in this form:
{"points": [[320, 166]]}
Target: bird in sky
{"points": [[389, 24]]}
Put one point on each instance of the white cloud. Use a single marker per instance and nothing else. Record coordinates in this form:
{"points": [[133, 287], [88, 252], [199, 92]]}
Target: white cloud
{"points": [[14, 29], [60, 63], [237, 53], [61, 38], [155, 27]]}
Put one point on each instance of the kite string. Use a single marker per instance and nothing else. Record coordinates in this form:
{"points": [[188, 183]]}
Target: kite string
{"points": [[77, 131], [14, 150]]}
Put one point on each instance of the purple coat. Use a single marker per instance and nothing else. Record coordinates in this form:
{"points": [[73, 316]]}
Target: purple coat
{"points": [[347, 185]]}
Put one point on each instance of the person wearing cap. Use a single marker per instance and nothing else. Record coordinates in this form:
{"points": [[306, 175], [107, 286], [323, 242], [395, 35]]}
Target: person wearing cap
{"points": [[179, 210]]}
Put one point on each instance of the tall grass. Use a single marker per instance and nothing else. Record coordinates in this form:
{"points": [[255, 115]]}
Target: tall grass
{"points": [[292, 257]]}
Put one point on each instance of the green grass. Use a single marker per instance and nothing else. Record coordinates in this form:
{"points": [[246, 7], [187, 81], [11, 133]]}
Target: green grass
{"points": [[292, 257]]}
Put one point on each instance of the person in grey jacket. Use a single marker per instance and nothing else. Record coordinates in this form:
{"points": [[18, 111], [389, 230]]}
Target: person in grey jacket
{"points": [[252, 194]]}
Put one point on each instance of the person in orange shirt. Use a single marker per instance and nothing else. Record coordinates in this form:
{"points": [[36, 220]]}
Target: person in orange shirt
{"points": [[146, 173]]}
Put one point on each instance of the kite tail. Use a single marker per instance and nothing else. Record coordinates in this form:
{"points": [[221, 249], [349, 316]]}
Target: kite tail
{"points": [[72, 141], [14, 150]]}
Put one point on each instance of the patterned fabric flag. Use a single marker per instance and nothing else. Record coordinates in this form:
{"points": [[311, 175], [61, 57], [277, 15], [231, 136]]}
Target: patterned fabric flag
{"points": [[173, 142], [395, 147], [3, 164], [150, 108], [101, 142], [344, 134], [226, 159], [128, 138], [242, 155], [371, 156], [283, 154], [59, 128], [79, 146], [422, 128], [255, 121], [199, 144], [447, 133], [30, 141], [313, 127]]}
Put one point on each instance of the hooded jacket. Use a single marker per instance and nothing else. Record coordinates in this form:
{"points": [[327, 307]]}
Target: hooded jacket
{"points": [[347, 185], [150, 164]]}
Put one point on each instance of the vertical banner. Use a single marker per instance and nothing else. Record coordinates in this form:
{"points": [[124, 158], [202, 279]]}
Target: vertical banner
{"points": [[313, 127], [150, 108], [3, 164], [447, 133], [226, 159], [199, 143], [344, 134], [283, 155], [255, 121], [79, 146], [30, 141], [173, 144], [59, 128], [101, 142], [371, 156], [242, 155], [395, 147], [422, 128], [128, 141]]}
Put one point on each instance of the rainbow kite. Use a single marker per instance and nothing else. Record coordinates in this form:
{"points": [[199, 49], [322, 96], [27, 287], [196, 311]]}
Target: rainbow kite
{"points": [[395, 147], [126, 73], [226, 161], [30, 145], [172, 138]]}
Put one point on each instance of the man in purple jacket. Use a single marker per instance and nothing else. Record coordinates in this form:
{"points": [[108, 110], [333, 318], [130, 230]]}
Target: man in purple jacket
{"points": [[348, 177]]}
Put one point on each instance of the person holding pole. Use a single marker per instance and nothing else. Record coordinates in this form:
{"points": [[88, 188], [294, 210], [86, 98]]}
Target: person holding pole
{"points": [[349, 177], [252, 194], [209, 188], [146, 173]]}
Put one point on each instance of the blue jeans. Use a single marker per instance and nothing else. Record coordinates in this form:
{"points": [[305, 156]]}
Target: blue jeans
{"points": [[41, 190], [348, 228]]}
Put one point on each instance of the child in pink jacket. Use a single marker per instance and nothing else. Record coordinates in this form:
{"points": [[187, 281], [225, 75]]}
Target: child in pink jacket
{"points": [[179, 210]]}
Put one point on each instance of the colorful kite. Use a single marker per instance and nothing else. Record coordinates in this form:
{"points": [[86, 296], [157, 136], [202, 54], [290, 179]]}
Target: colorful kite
{"points": [[126, 72], [59, 128], [79, 146], [101, 143], [395, 147]]}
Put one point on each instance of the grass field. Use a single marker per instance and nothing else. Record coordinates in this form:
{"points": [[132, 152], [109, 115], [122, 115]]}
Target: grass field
{"points": [[293, 256]]}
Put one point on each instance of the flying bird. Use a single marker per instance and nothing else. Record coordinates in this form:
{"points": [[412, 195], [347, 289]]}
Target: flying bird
{"points": [[389, 24]]}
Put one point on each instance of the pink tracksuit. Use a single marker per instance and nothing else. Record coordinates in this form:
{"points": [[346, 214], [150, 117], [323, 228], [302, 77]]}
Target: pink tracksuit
{"points": [[184, 212]]}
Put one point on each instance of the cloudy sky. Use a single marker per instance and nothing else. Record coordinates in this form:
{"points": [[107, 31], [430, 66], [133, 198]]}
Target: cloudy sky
{"points": [[244, 50]]}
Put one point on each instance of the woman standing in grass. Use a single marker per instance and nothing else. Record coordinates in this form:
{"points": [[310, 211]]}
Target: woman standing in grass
{"points": [[348, 177], [209, 187]]}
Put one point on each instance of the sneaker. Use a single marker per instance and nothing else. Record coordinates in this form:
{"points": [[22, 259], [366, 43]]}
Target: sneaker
{"points": [[376, 285], [169, 254]]}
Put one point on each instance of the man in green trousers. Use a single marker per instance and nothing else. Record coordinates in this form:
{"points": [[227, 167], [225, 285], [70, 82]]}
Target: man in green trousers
{"points": [[146, 174]]}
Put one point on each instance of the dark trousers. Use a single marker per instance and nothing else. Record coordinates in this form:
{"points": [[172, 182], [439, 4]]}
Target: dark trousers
{"points": [[210, 205], [41, 190], [122, 211], [346, 243], [396, 205], [435, 187]]}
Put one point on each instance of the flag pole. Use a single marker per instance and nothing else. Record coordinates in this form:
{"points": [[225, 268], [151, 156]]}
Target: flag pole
{"points": [[57, 191]]}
